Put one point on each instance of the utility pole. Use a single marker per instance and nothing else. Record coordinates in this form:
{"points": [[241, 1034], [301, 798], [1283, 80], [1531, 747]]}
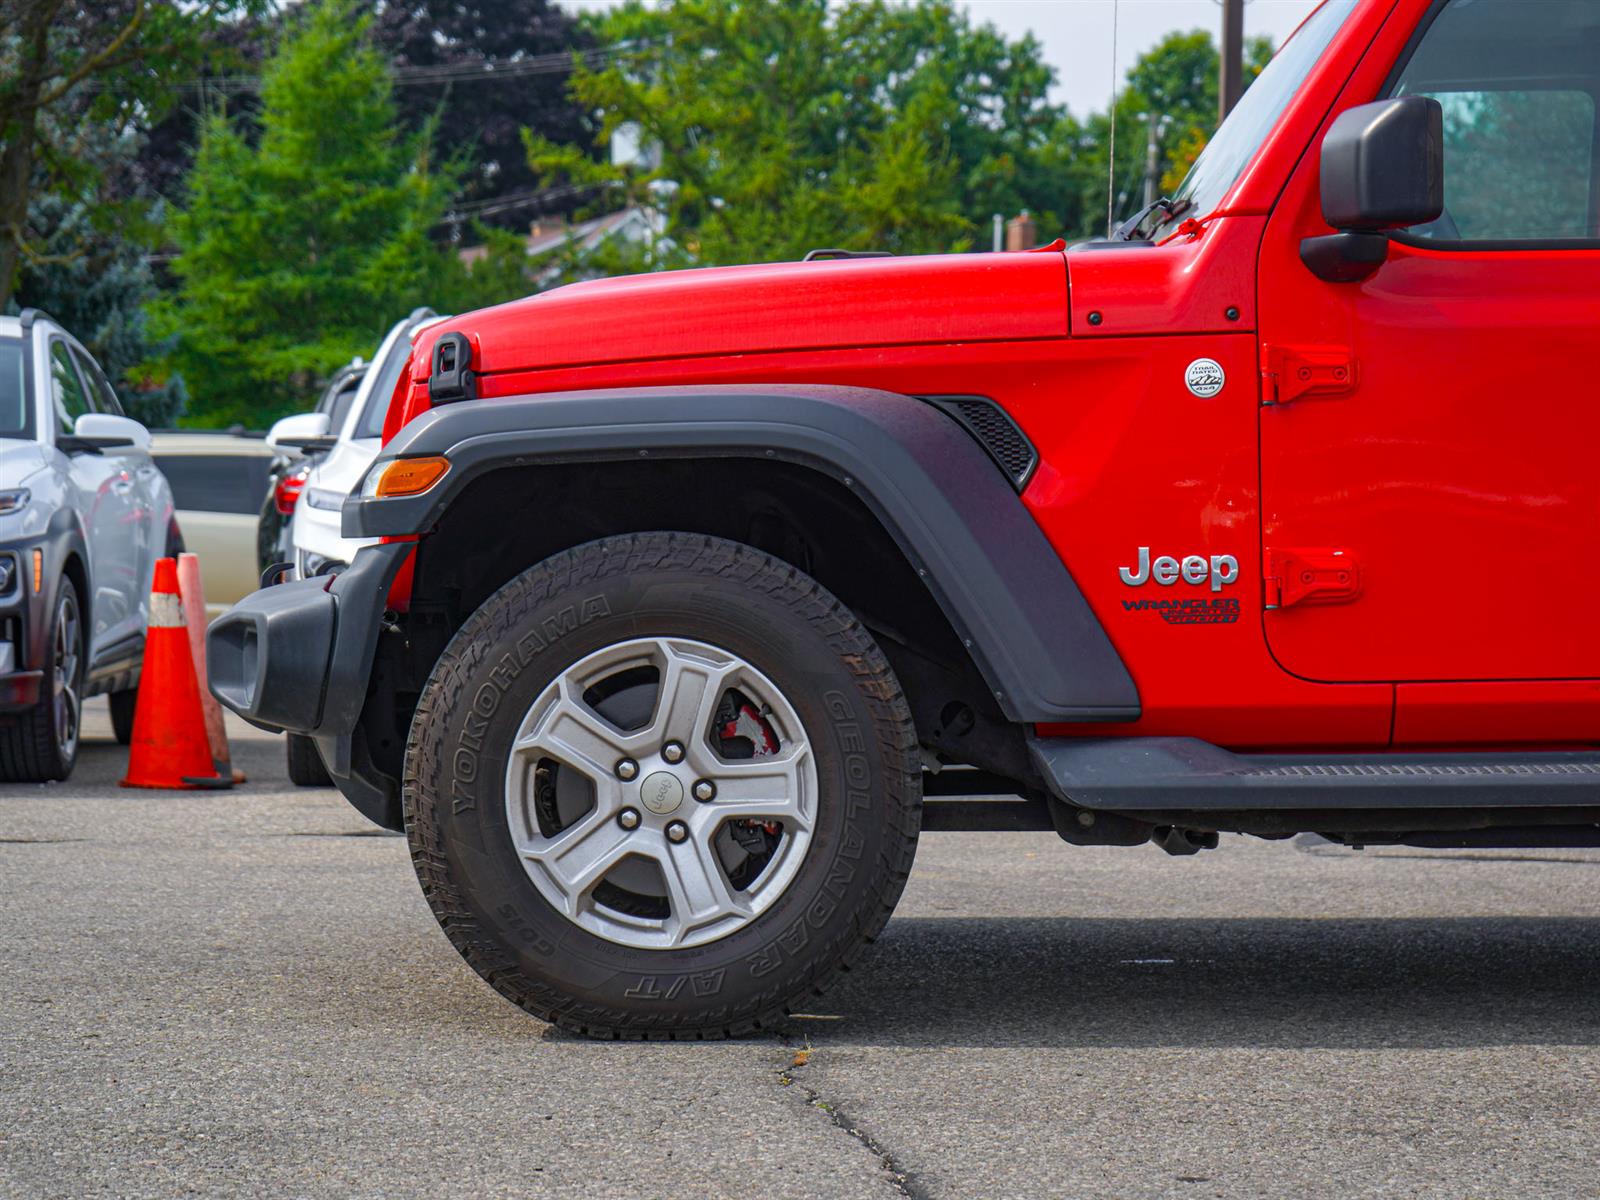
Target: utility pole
{"points": [[1231, 84], [1152, 162]]}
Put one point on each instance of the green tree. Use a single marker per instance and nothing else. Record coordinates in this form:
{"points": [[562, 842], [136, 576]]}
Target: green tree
{"points": [[64, 65], [781, 126], [298, 248], [96, 282], [511, 45], [1173, 83]]}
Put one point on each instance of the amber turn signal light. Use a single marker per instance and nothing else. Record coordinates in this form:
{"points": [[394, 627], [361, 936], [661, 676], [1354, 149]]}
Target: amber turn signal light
{"points": [[411, 476]]}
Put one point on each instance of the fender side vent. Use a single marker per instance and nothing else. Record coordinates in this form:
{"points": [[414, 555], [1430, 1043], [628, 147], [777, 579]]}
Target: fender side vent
{"points": [[993, 429]]}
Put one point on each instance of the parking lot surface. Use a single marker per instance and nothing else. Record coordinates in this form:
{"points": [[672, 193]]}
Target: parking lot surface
{"points": [[243, 993]]}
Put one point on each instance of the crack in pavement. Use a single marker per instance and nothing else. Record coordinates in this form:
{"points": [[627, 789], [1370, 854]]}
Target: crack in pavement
{"points": [[38, 841], [899, 1178]]}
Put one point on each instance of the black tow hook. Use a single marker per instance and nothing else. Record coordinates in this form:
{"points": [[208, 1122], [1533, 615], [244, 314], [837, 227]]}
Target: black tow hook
{"points": [[1184, 841]]}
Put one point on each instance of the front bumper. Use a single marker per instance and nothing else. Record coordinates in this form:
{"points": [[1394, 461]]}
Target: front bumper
{"points": [[297, 657], [23, 627]]}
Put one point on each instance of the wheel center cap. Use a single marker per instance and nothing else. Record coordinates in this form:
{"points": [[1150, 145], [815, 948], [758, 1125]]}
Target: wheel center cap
{"points": [[661, 792]]}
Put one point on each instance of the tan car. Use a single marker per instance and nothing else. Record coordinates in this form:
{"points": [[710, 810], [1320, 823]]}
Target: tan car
{"points": [[218, 481]]}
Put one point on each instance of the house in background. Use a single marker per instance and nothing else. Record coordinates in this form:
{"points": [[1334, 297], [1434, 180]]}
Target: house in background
{"points": [[553, 245]]}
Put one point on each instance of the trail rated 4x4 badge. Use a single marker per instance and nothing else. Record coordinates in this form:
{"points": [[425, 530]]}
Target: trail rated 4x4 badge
{"points": [[1205, 377]]}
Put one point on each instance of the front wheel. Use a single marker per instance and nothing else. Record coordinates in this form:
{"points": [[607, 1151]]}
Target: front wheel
{"points": [[41, 744], [123, 707], [662, 785], [304, 763]]}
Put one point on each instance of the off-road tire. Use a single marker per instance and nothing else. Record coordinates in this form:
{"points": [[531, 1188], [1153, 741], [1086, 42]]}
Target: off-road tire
{"points": [[122, 706], [29, 751], [751, 605], [304, 763]]}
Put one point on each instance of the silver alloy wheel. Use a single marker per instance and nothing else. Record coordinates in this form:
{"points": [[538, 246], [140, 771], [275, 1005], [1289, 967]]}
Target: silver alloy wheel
{"points": [[594, 850], [64, 682]]}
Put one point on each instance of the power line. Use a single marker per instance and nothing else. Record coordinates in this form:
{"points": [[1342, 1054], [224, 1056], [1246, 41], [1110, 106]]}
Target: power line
{"points": [[452, 73], [513, 200]]}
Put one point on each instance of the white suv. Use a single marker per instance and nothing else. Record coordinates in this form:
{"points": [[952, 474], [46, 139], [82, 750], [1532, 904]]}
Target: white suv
{"points": [[84, 514], [319, 545]]}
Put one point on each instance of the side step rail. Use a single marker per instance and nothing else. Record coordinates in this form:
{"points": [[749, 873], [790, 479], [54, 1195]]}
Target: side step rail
{"points": [[1161, 773]]}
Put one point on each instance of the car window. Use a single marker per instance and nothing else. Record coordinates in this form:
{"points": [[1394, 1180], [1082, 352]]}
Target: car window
{"points": [[1519, 100], [371, 423], [66, 388], [14, 413], [101, 392], [216, 483], [340, 408]]}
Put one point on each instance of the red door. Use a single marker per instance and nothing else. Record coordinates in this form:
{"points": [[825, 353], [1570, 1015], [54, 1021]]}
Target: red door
{"points": [[1431, 469]]}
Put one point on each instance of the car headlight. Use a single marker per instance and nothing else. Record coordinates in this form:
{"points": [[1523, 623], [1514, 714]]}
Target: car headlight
{"points": [[323, 498], [14, 500]]}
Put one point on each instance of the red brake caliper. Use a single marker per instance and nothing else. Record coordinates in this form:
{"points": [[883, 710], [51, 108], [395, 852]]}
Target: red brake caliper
{"points": [[750, 725]]}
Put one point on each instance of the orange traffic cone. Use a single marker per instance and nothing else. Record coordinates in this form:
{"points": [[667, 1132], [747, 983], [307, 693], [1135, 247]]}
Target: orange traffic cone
{"points": [[169, 732], [193, 595]]}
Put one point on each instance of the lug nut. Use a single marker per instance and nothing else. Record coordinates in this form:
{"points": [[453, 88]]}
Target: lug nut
{"points": [[626, 768], [672, 752], [628, 818], [705, 790], [677, 831]]}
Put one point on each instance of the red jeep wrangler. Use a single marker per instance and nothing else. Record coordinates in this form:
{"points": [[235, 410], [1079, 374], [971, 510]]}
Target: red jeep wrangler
{"points": [[700, 594]]}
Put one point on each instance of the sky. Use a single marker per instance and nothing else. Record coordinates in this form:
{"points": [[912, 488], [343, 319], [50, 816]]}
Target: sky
{"points": [[1076, 34]]}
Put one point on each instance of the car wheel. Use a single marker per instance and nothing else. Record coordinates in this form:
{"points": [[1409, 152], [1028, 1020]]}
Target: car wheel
{"points": [[123, 705], [305, 764], [662, 785], [41, 744]]}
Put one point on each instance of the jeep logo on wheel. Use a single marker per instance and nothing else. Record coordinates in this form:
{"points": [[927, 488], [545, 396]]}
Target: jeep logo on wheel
{"points": [[1220, 569]]}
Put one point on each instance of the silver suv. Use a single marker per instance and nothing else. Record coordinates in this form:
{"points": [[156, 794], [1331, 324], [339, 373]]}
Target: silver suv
{"points": [[84, 514]]}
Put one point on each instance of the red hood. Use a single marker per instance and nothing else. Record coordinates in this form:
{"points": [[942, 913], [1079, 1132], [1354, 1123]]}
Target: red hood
{"points": [[759, 309]]}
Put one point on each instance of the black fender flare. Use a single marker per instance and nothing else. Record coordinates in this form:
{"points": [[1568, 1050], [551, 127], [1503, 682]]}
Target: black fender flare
{"points": [[955, 516], [63, 539]]}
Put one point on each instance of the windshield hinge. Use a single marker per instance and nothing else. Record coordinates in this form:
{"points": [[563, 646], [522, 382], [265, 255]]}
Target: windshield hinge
{"points": [[1293, 372], [451, 378]]}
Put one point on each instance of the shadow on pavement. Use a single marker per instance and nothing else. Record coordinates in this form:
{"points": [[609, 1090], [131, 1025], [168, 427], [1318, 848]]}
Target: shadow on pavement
{"points": [[101, 762], [1294, 984]]}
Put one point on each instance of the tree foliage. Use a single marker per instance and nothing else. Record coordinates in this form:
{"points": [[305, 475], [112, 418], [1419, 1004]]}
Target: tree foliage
{"points": [[96, 282], [779, 126], [516, 49], [297, 247], [480, 70], [1173, 83], [787, 125], [67, 65]]}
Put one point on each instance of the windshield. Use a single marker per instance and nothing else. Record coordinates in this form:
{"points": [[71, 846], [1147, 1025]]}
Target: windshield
{"points": [[377, 385], [339, 406], [1234, 145], [14, 421], [382, 382]]}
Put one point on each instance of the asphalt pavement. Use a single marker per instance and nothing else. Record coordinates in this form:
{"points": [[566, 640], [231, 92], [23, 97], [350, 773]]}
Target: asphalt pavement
{"points": [[242, 993]]}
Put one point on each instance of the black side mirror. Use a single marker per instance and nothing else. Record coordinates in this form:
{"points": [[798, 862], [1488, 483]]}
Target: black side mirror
{"points": [[1382, 169]]}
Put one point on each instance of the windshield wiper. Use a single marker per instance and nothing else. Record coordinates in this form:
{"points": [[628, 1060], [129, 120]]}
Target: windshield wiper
{"points": [[1128, 231]]}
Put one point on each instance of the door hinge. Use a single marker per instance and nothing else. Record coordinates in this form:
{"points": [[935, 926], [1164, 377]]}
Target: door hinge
{"points": [[1311, 577], [1292, 372]]}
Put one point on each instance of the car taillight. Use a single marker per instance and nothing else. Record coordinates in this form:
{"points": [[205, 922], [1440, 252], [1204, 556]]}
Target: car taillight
{"points": [[287, 493]]}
